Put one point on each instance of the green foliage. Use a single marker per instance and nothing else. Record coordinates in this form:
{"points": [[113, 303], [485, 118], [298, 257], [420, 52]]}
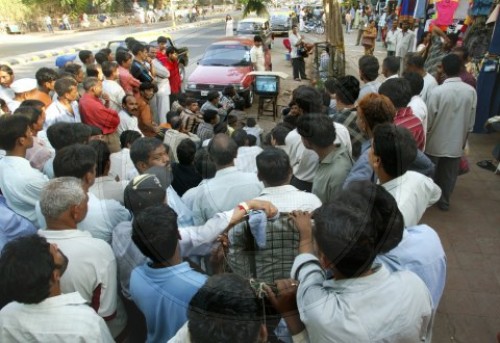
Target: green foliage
{"points": [[257, 6]]}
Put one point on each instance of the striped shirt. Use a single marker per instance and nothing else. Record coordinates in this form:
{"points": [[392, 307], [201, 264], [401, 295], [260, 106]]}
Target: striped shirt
{"points": [[405, 118]]}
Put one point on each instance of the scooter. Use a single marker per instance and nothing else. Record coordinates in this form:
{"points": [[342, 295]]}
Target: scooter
{"points": [[314, 25]]}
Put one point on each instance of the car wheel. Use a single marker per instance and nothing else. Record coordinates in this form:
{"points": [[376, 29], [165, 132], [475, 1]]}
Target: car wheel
{"points": [[182, 71], [249, 97]]}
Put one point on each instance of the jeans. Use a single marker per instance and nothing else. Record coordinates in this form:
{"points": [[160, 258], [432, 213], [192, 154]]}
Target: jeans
{"points": [[299, 68]]}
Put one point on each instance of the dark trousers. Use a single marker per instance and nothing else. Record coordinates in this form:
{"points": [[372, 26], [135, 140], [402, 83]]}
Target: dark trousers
{"points": [[305, 186], [445, 177], [299, 68], [391, 53], [173, 98]]}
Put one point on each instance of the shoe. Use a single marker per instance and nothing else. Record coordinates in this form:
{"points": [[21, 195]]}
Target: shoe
{"points": [[297, 80], [487, 164]]}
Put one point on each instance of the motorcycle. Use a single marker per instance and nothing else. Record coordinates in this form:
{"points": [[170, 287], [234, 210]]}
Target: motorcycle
{"points": [[314, 25]]}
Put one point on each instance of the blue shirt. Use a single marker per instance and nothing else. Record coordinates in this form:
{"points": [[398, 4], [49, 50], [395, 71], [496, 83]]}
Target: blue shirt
{"points": [[362, 170], [421, 252], [12, 225], [163, 296]]}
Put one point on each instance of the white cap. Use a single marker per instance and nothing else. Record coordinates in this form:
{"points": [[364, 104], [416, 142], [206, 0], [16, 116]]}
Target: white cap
{"points": [[23, 85]]}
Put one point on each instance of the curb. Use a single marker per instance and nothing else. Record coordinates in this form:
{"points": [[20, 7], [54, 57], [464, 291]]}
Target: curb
{"points": [[12, 61]]}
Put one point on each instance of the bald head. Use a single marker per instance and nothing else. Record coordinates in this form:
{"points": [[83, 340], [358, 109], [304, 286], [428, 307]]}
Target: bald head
{"points": [[222, 150]]}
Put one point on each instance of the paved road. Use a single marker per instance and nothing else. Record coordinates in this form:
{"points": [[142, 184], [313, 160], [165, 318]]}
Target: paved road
{"points": [[196, 39]]}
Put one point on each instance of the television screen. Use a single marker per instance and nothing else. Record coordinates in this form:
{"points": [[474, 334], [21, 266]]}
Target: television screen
{"points": [[266, 84]]}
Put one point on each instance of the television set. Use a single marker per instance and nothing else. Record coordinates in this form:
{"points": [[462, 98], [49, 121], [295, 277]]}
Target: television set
{"points": [[267, 85]]}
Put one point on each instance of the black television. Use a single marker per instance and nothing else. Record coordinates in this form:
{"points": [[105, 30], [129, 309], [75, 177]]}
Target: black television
{"points": [[267, 85]]}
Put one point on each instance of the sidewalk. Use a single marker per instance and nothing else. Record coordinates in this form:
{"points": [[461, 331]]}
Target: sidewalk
{"points": [[470, 232]]}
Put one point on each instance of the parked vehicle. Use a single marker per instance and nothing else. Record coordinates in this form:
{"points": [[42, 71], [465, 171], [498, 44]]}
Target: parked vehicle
{"points": [[226, 62], [281, 22], [249, 27], [314, 25]]}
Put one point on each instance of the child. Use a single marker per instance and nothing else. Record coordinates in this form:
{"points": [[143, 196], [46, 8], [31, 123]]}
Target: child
{"points": [[253, 129]]}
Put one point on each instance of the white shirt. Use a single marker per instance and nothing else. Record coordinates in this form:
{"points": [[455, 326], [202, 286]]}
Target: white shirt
{"points": [[246, 159], [304, 162], [122, 165], [56, 113], [6, 94], [294, 39], [106, 187], [414, 192], [405, 43], [21, 185], [391, 39], [102, 217], [342, 137], [287, 198], [419, 109], [257, 57], [115, 92], [63, 318], [91, 269], [13, 105], [429, 84], [380, 307]]}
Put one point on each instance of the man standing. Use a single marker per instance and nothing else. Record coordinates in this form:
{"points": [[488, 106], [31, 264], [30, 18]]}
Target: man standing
{"points": [[110, 85], [452, 111], [405, 42], [145, 118], [65, 108], [415, 63], [298, 64], [368, 73], [172, 64], [94, 113], [31, 272], [48, 23], [139, 69], [6, 79], [391, 40], [129, 83], [257, 54], [24, 89]]}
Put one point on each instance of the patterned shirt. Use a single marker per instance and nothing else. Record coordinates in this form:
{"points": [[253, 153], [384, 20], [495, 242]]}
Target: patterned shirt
{"points": [[347, 117], [405, 118], [436, 54], [205, 131]]}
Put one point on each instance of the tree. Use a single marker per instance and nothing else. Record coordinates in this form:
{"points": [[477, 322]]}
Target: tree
{"points": [[257, 6]]}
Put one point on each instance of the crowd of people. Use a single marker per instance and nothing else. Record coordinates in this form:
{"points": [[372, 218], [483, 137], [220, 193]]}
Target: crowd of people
{"points": [[143, 216]]}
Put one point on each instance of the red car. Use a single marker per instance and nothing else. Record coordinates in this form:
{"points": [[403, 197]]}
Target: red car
{"points": [[226, 62]]}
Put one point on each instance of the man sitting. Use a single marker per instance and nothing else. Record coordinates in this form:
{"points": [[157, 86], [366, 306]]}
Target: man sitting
{"points": [[391, 154], [205, 129], [245, 161], [212, 103], [34, 308], [191, 116], [92, 271]]}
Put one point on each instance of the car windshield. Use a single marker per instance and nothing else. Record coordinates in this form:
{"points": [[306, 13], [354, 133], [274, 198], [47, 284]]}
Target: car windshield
{"points": [[279, 18], [249, 27], [234, 55]]}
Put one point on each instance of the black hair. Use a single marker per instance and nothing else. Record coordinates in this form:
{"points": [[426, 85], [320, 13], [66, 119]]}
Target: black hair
{"points": [[212, 95], [125, 97], [462, 50], [128, 137], [5, 68], [252, 140], [251, 122], [392, 64], [280, 131], [170, 50], [64, 134], [171, 115], [225, 310], [44, 75], [257, 38], [108, 68], [369, 66], [161, 39], [186, 151], [396, 148], [148, 85], [240, 137], [155, 232], [190, 101], [72, 68], [209, 115], [26, 267], [228, 90], [181, 99], [75, 160], [30, 112], [273, 167], [220, 127], [222, 149], [137, 48], [452, 65], [64, 85], [106, 51], [103, 153], [84, 55], [101, 57], [398, 90], [13, 128], [129, 41], [176, 122], [415, 59], [318, 129], [92, 70], [142, 148], [330, 85], [453, 37], [308, 99], [122, 57], [90, 82], [33, 103], [416, 82], [204, 165], [346, 89]]}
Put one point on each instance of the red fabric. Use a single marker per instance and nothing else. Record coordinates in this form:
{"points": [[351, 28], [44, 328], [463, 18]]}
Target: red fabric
{"points": [[94, 113], [406, 118], [286, 43], [173, 68]]}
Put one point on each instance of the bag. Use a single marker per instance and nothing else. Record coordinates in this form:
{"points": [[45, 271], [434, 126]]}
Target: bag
{"points": [[367, 42], [302, 52], [464, 166]]}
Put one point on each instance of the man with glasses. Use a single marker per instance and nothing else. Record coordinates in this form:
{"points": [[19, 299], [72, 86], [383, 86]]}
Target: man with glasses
{"points": [[31, 271]]}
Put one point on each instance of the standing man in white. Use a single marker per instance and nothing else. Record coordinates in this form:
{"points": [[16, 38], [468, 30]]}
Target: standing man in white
{"points": [[257, 54]]}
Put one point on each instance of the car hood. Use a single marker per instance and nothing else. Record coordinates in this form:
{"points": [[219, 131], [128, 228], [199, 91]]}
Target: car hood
{"points": [[218, 75]]}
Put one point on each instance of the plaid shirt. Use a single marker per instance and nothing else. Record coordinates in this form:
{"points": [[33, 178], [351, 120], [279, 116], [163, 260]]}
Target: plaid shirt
{"points": [[406, 118], [347, 117]]}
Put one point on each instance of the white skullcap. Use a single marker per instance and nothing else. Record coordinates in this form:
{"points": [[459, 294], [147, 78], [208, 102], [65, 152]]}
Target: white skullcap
{"points": [[23, 85]]}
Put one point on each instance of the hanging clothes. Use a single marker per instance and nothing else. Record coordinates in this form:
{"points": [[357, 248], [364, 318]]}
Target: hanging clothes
{"points": [[445, 12], [407, 10]]}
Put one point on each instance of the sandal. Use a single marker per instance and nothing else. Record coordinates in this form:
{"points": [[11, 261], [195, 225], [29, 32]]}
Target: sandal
{"points": [[487, 164]]}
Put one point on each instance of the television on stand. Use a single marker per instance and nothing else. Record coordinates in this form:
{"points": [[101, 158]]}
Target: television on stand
{"points": [[267, 85]]}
